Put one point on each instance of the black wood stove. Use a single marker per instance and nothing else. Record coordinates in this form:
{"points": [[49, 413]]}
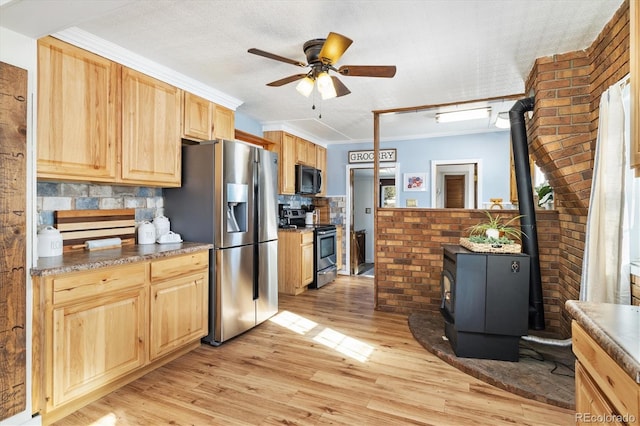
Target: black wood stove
{"points": [[485, 302]]}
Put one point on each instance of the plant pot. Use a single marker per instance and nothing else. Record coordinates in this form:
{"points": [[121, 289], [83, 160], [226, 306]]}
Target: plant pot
{"points": [[493, 233]]}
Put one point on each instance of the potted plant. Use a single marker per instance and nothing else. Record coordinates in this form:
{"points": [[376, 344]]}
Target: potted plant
{"points": [[494, 235], [545, 195]]}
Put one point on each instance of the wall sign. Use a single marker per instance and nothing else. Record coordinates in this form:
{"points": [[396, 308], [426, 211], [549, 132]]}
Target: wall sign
{"points": [[367, 156]]}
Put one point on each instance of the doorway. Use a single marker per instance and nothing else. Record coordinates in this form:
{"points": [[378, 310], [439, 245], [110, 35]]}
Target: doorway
{"points": [[455, 184], [360, 238]]}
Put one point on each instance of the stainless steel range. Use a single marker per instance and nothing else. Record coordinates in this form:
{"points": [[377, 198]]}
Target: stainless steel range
{"points": [[324, 245]]}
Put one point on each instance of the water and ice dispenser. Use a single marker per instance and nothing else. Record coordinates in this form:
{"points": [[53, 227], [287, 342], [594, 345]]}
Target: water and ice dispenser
{"points": [[237, 204]]}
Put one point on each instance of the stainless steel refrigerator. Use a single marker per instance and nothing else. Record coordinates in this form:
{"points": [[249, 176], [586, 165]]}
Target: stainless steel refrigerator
{"points": [[228, 198]]}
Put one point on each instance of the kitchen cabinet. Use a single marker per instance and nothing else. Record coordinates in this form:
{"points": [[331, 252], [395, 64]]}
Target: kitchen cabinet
{"points": [[321, 164], [305, 152], [602, 387], [96, 330], [151, 132], [634, 19], [295, 261], [203, 120], [223, 123], [294, 150], [78, 114], [101, 122], [197, 117], [176, 283], [284, 145]]}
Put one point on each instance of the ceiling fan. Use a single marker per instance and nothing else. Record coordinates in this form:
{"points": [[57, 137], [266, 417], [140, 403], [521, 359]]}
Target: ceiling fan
{"points": [[322, 55]]}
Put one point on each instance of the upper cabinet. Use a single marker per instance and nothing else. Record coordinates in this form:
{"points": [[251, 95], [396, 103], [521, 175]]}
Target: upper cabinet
{"points": [[99, 121], [294, 150], [150, 130], [197, 117], [223, 123], [634, 18], [203, 120], [285, 145], [321, 164], [78, 114]]}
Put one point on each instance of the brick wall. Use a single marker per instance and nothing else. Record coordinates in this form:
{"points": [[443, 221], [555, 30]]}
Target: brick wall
{"points": [[562, 135], [409, 257]]}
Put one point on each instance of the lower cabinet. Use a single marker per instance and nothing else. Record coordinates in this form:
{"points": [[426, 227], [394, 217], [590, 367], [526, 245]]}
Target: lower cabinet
{"points": [[95, 331], [168, 300], [603, 389], [295, 261], [96, 341]]}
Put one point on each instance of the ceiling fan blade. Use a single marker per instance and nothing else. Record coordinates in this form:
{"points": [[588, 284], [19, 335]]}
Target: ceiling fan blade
{"points": [[286, 80], [333, 48], [341, 89], [276, 57], [387, 71]]}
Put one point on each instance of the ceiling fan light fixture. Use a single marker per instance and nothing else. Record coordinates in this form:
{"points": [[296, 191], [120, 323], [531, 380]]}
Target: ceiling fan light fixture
{"points": [[462, 115], [325, 86], [305, 87], [502, 120]]}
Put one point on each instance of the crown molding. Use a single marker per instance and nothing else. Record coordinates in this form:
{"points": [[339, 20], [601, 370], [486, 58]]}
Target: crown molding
{"points": [[111, 51]]}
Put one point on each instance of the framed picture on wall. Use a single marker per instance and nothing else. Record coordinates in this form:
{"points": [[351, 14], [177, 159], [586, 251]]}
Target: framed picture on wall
{"points": [[415, 182]]}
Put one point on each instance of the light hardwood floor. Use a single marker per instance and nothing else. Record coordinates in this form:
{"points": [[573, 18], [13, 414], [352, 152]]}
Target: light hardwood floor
{"points": [[326, 358]]}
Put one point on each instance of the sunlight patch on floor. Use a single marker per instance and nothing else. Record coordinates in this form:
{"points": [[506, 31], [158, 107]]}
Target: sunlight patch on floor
{"points": [[294, 322], [346, 345], [108, 420], [333, 339]]}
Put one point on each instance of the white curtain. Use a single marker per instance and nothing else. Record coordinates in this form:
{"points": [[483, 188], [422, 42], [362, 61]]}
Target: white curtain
{"points": [[605, 268]]}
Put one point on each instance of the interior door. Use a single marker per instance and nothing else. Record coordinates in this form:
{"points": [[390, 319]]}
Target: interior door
{"points": [[454, 191]]}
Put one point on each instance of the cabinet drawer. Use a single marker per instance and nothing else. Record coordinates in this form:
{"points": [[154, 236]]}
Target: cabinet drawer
{"points": [[78, 285], [615, 384], [179, 265], [307, 238]]}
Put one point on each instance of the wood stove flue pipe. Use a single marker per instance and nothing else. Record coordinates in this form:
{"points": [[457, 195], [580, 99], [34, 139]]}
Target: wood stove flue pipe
{"points": [[527, 208]]}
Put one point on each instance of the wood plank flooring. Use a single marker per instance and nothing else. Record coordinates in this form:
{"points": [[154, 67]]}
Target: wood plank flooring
{"points": [[326, 358]]}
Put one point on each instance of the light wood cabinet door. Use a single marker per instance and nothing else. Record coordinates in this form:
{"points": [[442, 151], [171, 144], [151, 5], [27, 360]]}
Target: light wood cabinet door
{"points": [[288, 165], [285, 145], [77, 114], [178, 312], [197, 117], [151, 140], [95, 342], [590, 401], [224, 123], [321, 164], [306, 252], [301, 151]]}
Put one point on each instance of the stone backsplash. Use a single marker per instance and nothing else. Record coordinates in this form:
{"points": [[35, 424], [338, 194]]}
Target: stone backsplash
{"points": [[52, 196]]}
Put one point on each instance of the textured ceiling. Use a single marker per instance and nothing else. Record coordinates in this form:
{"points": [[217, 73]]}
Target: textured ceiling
{"points": [[445, 51]]}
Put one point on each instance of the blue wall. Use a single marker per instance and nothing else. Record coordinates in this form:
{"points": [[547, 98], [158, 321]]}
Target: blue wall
{"points": [[247, 124], [415, 156]]}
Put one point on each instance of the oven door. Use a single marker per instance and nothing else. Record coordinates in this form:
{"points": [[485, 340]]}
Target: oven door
{"points": [[325, 246]]}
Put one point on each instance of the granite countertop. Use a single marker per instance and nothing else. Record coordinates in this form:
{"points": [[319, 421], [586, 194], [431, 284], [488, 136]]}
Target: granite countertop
{"points": [[299, 229], [83, 260], [616, 328]]}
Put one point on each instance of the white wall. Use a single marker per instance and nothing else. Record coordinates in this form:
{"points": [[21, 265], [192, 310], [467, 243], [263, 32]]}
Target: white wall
{"points": [[20, 51]]}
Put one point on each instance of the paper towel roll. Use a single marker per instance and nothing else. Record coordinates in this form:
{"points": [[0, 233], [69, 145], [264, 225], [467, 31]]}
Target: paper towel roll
{"points": [[104, 243]]}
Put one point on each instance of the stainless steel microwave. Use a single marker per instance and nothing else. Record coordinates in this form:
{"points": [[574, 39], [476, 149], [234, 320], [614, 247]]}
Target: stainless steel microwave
{"points": [[308, 180]]}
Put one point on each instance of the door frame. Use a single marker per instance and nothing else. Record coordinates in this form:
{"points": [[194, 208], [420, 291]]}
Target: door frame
{"points": [[458, 167], [346, 268]]}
